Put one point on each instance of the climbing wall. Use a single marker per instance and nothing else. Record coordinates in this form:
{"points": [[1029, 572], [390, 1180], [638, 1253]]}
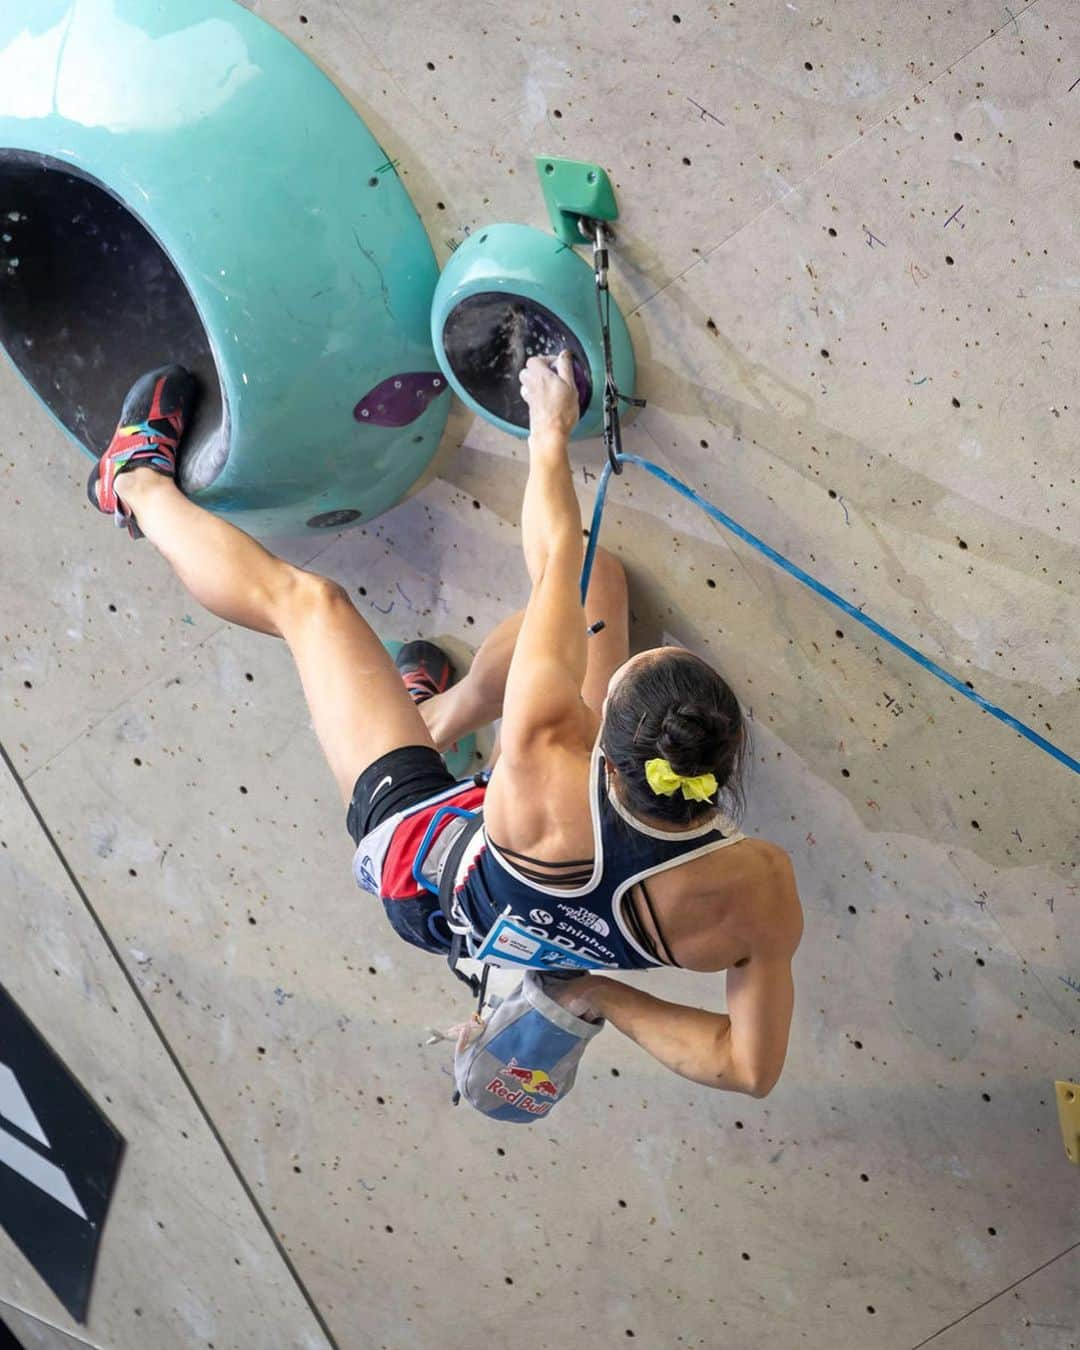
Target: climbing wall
{"points": [[847, 254]]}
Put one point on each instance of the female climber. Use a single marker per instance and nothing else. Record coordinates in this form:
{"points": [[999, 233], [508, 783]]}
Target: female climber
{"points": [[601, 845]]}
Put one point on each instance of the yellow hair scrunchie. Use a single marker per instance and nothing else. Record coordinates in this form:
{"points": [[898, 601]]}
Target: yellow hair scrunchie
{"points": [[664, 781]]}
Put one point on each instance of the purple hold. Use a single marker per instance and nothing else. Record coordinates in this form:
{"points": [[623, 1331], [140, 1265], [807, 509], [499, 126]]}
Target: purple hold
{"points": [[401, 399], [584, 384]]}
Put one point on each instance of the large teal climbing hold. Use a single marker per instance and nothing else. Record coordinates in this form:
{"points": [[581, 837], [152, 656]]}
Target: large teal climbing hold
{"points": [[179, 183], [461, 758]]}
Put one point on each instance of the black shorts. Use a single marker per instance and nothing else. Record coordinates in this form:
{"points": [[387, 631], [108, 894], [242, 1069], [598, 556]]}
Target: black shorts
{"points": [[403, 781], [415, 772]]}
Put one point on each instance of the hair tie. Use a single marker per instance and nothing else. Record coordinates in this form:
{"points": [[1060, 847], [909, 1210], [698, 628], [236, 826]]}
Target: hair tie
{"points": [[664, 781]]}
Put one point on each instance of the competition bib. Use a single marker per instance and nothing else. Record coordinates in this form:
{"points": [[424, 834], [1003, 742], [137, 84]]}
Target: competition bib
{"points": [[510, 944]]}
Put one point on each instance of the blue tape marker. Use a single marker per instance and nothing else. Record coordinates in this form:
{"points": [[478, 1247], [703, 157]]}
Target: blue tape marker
{"points": [[839, 601]]}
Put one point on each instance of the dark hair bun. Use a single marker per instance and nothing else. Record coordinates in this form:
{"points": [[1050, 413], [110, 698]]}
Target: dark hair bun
{"points": [[690, 737]]}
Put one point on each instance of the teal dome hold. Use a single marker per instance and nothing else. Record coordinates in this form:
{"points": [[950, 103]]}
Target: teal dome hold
{"points": [[510, 292]]}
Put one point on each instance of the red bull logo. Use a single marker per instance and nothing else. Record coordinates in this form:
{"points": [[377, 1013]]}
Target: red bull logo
{"points": [[536, 1080], [526, 1087]]}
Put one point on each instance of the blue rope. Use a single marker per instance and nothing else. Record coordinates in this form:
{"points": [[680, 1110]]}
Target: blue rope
{"points": [[709, 509]]}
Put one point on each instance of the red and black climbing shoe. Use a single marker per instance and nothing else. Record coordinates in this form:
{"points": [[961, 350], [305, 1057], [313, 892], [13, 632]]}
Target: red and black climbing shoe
{"points": [[425, 669], [152, 422]]}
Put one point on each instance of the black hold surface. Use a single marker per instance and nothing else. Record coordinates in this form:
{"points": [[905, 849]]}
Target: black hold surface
{"points": [[7, 1339], [82, 1149], [489, 337], [89, 300]]}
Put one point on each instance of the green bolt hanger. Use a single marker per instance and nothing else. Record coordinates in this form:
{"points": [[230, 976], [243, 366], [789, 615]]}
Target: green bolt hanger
{"points": [[572, 189]]}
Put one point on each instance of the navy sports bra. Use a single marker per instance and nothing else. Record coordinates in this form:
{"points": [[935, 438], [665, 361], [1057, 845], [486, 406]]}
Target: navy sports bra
{"points": [[511, 915]]}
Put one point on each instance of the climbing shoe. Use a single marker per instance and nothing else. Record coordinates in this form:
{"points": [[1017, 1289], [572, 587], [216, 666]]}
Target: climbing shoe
{"points": [[425, 669], [152, 422]]}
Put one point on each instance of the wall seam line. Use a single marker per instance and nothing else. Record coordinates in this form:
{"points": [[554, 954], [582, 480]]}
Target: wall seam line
{"points": [[171, 1054]]}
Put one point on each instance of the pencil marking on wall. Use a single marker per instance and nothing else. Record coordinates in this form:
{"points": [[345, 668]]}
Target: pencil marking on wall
{"points": [[953, 217]]}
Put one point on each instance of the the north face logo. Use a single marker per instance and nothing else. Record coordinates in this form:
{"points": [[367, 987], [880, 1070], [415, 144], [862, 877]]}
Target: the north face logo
{"points": [[588, 920]]}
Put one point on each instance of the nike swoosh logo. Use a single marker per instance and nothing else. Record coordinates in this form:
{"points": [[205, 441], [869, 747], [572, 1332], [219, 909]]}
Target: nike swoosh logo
{"points": [[383, 784]]}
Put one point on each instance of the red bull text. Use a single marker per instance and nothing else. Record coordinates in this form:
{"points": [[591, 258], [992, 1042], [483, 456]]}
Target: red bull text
{"points": [[529, 1084]]}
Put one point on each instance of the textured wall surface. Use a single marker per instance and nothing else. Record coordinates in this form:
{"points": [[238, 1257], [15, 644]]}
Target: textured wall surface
{"points": [[849, 260]]}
